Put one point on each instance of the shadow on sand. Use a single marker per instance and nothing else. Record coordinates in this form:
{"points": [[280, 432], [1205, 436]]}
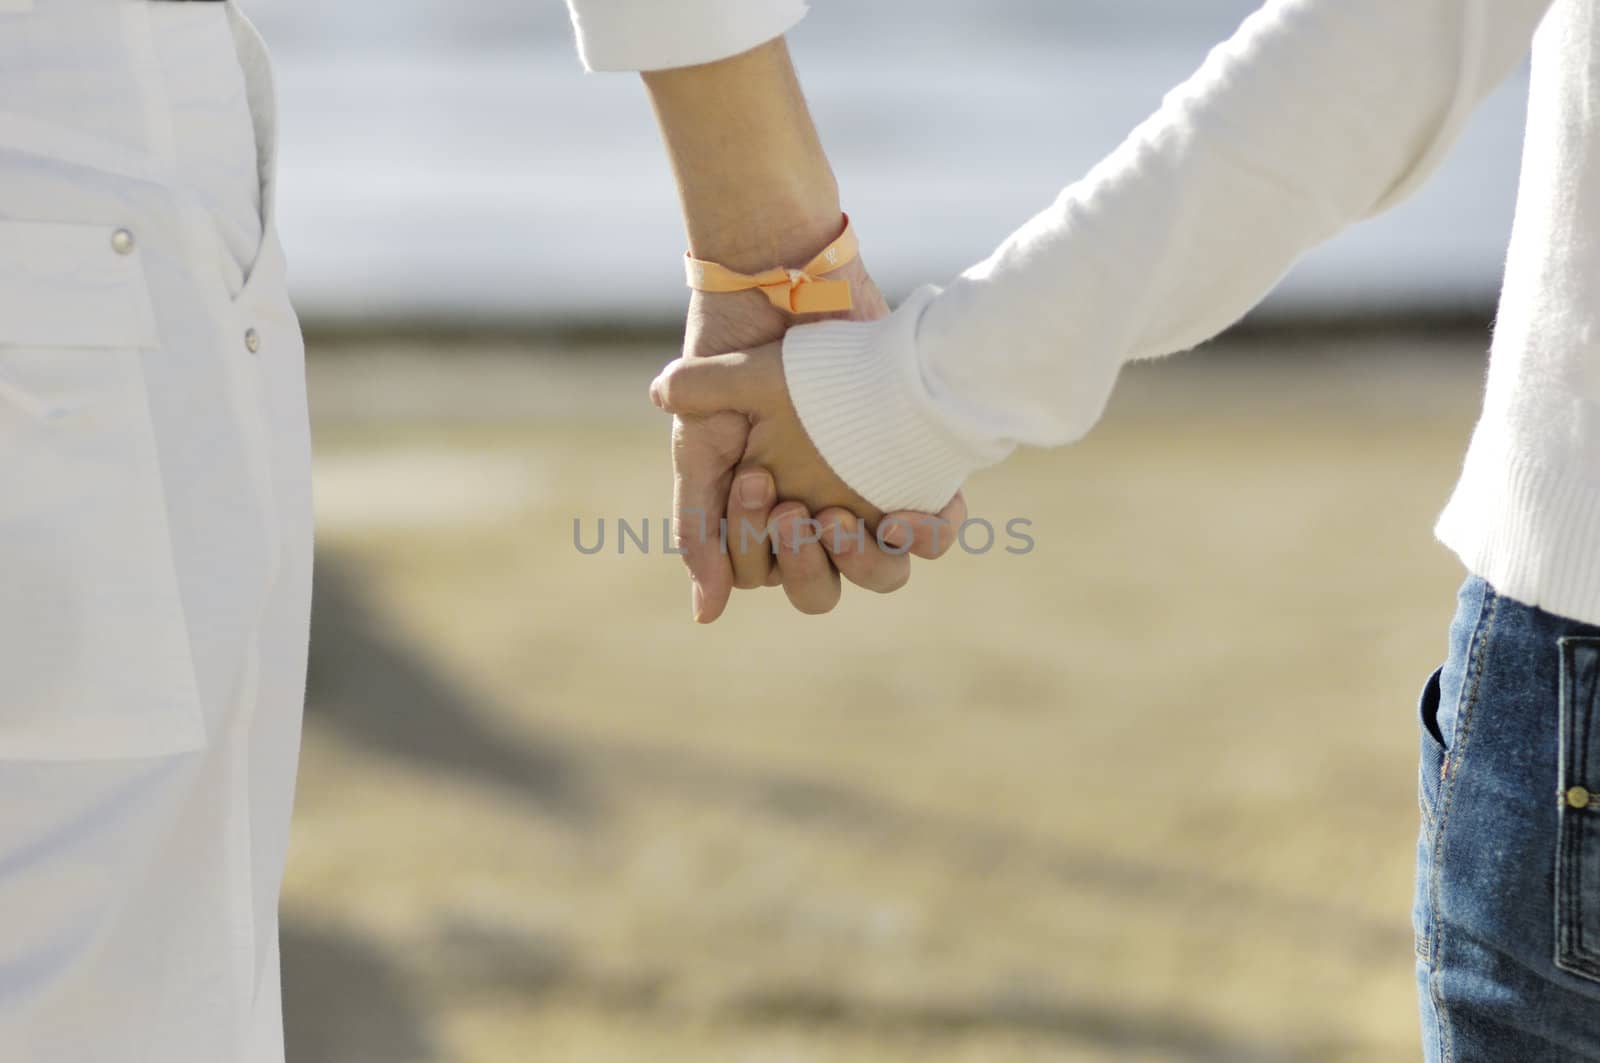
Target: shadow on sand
{"points": [[347, 1000]]}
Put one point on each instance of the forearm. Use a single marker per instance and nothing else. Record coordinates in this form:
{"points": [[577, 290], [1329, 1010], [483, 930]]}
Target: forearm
{"points": [[1317, 115], [756, 187]]}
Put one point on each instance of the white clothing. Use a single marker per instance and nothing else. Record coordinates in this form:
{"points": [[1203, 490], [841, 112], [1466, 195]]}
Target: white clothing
{"points": [[1317, 114], [155, 537]]}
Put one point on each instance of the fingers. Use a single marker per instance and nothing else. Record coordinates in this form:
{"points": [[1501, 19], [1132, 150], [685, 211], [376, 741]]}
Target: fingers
{"points": [[746, 381], [923, 534], [857, 555], [704, 452], [749, 531], [809, 577]]}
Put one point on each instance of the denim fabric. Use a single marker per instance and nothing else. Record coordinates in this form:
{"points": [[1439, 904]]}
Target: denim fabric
{"points": [[1507, 906]]}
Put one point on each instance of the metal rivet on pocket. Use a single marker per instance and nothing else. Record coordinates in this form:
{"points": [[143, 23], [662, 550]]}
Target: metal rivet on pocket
{"points": [[1578, 797], [122, 242], [252, 340]]}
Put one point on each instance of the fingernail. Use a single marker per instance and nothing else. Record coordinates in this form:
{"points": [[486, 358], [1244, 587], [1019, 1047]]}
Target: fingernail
{"points": [[896, 534], [655, 394], [789, 529], [841, 533], [697, 600], [755, 488]]}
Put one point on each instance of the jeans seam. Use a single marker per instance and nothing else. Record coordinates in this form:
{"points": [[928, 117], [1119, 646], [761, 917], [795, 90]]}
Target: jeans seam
{"points": [[1454, 758], [1571, 955]]}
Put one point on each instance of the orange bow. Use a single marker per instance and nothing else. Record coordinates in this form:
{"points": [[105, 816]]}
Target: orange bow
{"points": [[796, 291]]}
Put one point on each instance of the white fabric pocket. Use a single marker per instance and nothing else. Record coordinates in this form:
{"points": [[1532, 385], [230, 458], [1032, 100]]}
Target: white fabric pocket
{"points": [[94, 651]]}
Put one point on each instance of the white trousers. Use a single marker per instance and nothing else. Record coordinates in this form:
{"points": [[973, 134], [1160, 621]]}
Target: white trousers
{"points": [[155, 536]]}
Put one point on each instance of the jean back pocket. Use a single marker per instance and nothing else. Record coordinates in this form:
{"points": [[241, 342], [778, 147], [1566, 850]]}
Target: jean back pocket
{"points": [[1578, 846]]}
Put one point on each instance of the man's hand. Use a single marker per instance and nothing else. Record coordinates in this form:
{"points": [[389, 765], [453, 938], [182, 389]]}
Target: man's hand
{"points": [[711, 449], [847, 536], [757, 192]]}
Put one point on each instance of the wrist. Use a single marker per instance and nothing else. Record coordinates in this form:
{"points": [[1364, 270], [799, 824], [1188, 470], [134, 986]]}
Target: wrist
{"points": [[751, 233], [859, 393], [720, 322]]}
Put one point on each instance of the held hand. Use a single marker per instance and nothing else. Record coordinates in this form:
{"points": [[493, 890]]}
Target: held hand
{"points": [[757, 191], [767, 544], [707, 447], [751, 383], [785, 545]]}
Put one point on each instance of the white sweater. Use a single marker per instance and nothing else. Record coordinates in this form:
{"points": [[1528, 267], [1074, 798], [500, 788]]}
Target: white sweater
{"points": [[1317, 114]]}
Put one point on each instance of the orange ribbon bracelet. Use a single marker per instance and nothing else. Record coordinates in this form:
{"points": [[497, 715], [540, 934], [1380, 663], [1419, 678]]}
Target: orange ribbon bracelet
{"points": [[795, 291]]}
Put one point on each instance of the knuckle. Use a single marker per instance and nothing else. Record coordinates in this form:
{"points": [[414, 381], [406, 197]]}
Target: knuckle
{"points": [[806, 565], [665, 388], [671, 386], [687, 541]]}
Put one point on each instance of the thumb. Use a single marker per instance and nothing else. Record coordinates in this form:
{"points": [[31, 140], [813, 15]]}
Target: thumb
{"points": [[742, 381]]}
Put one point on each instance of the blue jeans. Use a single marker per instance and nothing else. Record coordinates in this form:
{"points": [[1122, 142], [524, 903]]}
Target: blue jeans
{"points": [[1507, 909]]}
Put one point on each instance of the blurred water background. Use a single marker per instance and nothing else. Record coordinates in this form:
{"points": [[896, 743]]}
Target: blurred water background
{"points": [[452, 162]]}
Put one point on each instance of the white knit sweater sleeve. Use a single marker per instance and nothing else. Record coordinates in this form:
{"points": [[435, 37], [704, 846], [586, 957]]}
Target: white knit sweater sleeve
{"points": [[660, 34], [1317, 113]]}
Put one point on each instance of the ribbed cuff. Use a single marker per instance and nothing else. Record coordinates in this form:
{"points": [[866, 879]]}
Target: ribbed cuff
{"points": [[663, 34], [860, 393], [1530, 528]]}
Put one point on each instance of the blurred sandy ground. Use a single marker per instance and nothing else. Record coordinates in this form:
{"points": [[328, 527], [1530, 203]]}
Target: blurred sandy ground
{"points": [[1146, 793]]}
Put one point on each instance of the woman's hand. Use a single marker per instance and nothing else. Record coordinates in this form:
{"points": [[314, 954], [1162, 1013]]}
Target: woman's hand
{"points": [[767, 541], [708, 447]]}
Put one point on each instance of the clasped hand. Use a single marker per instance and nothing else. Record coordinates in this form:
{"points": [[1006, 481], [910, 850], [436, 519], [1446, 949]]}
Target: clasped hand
{"points": [[754, 504]]}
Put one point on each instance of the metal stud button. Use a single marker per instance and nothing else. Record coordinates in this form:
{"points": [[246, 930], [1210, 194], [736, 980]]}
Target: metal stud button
{"points": [[252, 340], [122, 242], [1578, 797]]}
